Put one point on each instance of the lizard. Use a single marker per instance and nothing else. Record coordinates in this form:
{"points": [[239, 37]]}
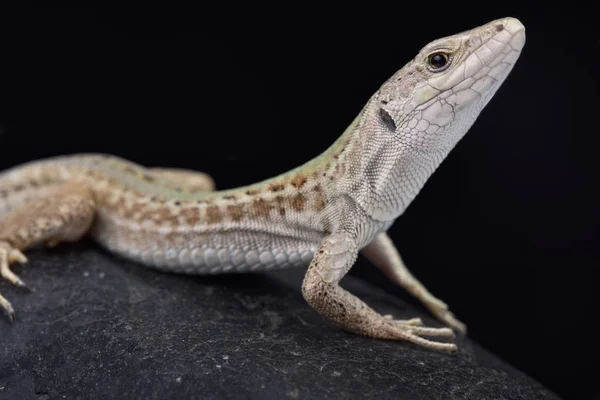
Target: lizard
{"points": [[319, 216]]}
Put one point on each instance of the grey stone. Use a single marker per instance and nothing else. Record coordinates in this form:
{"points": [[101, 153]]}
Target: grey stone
{"points": [[97, 326]]}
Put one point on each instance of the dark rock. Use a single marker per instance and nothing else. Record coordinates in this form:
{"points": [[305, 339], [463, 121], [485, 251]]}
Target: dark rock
{"points": [[98, 326]]}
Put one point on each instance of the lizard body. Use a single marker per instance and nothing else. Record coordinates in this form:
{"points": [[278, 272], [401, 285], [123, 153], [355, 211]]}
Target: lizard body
{"points": [[319, 215]]}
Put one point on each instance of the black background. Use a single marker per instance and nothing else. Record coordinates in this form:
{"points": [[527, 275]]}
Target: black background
{"points": [[506, 231]]}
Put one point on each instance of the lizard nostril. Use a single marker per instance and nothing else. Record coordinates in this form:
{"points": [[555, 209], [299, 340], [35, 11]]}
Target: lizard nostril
{"points": [[499, 27]]}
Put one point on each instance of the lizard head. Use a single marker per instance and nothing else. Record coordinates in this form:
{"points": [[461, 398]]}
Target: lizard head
{"points": [[434, 99], [418, 115]]}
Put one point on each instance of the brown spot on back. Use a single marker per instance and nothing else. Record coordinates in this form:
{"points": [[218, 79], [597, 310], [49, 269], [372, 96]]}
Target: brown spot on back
{"points": [[235, 211], [279, 200], [148, 178], [320, 199], [213, 215], [280, 204], [191, 214], [299, 181], [131, 211], [276, 187], [298, 202], [261, 208], [160, 215], [229, 197], [251, 192]]}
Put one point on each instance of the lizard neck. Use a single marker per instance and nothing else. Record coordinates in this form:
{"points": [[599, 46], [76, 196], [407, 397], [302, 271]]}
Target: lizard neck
{"points": [[368, 165], [382, 175]]}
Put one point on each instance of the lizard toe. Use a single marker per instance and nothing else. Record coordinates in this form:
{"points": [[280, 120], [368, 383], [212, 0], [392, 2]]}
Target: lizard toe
{"points": [[416, 327], [412, 321], [7, 307], [411, 333], [9, 255]]}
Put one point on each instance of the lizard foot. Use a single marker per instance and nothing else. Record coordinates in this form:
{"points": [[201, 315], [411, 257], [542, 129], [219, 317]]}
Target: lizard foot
{"points": [[9, 255], [399, 329], [65, 214]]}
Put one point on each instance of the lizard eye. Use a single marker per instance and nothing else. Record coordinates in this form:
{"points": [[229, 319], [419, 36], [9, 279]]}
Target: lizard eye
{"points": [[387, 120], [438, 61]]}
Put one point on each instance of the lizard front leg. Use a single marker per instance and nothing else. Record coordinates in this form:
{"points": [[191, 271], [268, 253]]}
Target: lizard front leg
{"points": [[322, 291], [64, 215], [384, 255]]}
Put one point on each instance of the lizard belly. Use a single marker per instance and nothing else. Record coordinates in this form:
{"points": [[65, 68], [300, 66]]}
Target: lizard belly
{"points": [[201, 252]]}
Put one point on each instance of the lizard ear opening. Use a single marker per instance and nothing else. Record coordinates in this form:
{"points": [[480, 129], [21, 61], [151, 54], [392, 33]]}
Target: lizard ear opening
{"points": [[387, 120]]}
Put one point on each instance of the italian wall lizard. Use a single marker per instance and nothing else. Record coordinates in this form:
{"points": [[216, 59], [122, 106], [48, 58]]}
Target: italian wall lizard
{"points": [[319, 215]]}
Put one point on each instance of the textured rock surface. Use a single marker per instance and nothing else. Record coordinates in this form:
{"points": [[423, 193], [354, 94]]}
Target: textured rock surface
{"points": [[97, 326]]}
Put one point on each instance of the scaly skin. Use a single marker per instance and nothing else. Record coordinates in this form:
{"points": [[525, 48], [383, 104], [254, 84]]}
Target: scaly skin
{"points": [[319, 215]]}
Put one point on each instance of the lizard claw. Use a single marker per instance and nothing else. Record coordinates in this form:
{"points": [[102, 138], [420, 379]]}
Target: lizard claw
{"points": [[7, 307]]}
